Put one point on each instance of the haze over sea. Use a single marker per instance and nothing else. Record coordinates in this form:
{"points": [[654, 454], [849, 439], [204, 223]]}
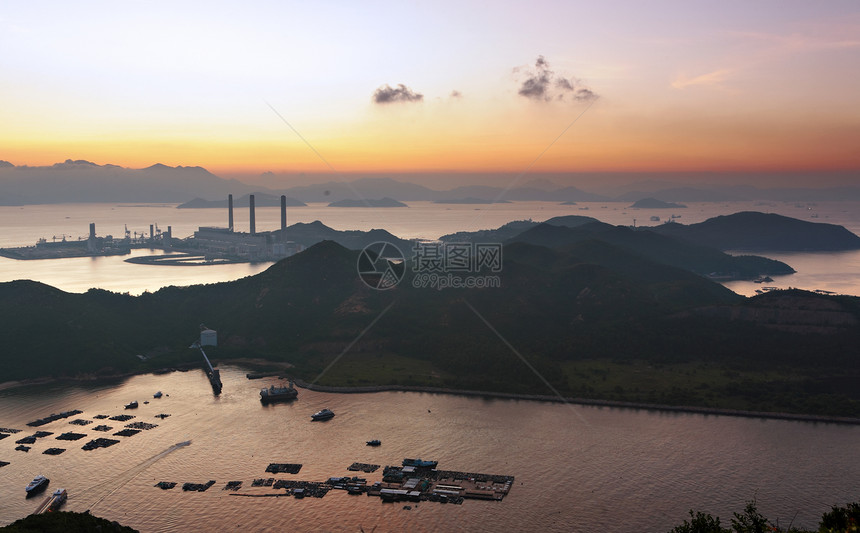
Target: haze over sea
{"points": [[23, 225]]}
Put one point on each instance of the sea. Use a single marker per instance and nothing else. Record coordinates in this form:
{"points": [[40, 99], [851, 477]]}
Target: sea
{"points": [[576, 468], [837, 272]]}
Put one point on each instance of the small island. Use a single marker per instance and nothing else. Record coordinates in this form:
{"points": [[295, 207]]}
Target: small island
{"points": [[653, 203], [470, 200], [379, 202]]}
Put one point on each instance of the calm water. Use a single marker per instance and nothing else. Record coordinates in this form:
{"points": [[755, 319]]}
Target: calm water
{"points": [[577, 468], [22, 226]]}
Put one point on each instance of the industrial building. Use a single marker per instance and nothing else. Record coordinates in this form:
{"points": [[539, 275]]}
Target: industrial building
{"points": [[217, 242]]}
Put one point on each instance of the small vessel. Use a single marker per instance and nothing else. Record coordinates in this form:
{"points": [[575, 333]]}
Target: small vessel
{"points": [[374, 442], [418, 463], [131, 405], [52, 502], [277, 394], [325, 414], [36, 486], [655, 218], [57, 499], [157, 395]]}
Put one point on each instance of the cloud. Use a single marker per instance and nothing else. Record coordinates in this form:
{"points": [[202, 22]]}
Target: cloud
{"points": [[386, 94], [543, 84], [714, 78]]}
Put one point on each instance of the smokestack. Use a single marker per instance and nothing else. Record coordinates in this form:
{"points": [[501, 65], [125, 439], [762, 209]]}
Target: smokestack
{"points": [[230, 212], [151, 231], [92, 230], [253, 221], [283, 212]]}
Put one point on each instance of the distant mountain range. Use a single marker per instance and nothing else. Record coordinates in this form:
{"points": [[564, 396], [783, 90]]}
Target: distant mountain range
{"points": [[84, 181]]}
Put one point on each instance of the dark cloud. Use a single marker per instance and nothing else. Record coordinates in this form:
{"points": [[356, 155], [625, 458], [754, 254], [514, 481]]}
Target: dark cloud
{"points": [[387, 94], [543, 84]]}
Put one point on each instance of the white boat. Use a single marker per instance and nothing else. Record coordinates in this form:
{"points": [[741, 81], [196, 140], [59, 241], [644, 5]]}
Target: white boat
{"points": [[325, 414], [38, 484]]}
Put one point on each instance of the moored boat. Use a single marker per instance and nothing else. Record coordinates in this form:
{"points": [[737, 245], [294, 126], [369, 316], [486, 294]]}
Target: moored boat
{"points": [[325, 414], [418, 463], [374, 442], [277, 394]]}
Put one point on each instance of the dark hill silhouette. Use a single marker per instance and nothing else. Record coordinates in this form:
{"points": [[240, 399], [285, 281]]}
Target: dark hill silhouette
{"points": [[655, 247], [751, 230], [581, 300]]}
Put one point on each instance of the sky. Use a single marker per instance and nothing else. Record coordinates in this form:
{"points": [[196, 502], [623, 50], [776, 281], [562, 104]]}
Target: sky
{"points": [[298, 88]]}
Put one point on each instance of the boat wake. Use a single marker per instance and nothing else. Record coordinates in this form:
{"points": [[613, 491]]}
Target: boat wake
{"points": [[106, 488]]}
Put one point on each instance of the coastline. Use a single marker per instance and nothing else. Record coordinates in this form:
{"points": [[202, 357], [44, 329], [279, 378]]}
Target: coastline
{"points": [[585, 401], [687, 409]]}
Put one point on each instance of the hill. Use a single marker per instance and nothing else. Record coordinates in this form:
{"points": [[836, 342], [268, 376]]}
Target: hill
{"points": [[763, 231], [365, 202], [589, 317], [83, 181], [656, 247], [65, 522], [261, 199], [653, 203]]}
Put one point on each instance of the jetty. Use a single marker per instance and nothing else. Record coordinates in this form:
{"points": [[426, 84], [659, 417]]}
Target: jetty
{"points": [[213, 374]]}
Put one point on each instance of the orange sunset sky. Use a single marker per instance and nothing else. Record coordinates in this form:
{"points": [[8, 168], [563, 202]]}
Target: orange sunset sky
{"points": [[579, 87]]}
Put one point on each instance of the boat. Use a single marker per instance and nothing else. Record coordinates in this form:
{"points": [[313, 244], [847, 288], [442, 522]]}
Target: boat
{"points": [[131, 405], [36, 486], [374, 442], [325, 414], [655, 218], [277, 394], [57, 499], [418, 463], [52, 502], [157, 395]]}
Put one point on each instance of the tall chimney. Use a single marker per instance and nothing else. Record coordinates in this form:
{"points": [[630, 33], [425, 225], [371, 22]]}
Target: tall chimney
{"points": [[151, 231], [92, 230], [230, 212], [283, 212], [253, 221]]}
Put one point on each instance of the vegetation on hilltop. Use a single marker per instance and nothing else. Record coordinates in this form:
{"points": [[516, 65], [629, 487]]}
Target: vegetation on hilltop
{"points": [[592, 318], [65, 522]]}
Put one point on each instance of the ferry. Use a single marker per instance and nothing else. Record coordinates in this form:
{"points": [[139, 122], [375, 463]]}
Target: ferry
{"points": [[325, 414], [276, 394], [36, 486], [53, 502]]}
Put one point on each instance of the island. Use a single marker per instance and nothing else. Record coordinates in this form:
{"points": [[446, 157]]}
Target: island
{"points": [[380, 202], [653, 203]]}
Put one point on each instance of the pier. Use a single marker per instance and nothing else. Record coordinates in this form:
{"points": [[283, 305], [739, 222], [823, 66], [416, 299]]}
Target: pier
{"points": [[213, 374]]}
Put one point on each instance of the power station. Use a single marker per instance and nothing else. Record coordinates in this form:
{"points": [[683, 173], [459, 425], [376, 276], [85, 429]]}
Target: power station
{"points": [[217, 242]]}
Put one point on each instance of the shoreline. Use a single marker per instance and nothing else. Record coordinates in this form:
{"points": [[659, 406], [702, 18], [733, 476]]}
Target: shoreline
{"points": [[585, 401], [618, 404]]}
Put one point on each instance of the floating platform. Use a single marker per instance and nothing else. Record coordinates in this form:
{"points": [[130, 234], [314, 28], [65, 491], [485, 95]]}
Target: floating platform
{"points": [[279, 468], [71, 436], [81, 422], [53, 417], [53, 451], [99, 443], [363, 467]]}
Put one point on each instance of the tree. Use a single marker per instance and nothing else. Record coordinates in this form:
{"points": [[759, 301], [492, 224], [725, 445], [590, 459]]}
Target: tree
{"points": [[700, 523]]}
